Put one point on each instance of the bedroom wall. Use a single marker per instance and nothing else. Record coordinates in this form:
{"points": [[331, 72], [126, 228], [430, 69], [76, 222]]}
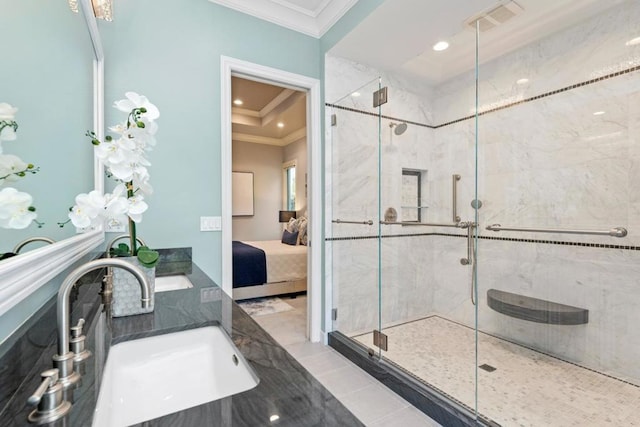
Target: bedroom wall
{"points": [[298, 151], [265, 161]]}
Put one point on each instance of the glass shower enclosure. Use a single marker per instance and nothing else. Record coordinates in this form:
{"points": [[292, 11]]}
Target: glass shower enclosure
{"points": [[483, 232]]}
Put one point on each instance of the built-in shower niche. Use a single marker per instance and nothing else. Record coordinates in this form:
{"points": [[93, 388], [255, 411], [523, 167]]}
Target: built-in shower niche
{"points": [[536, 310]]}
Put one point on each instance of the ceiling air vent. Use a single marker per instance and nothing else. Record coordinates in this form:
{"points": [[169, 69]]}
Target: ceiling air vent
{"points": [[494, 16]]}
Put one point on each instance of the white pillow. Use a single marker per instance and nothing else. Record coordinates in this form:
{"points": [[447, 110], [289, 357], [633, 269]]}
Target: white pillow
{"points": [[302, 231], [292, 225]]}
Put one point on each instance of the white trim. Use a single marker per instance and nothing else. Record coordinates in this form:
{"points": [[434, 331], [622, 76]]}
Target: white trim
{"points": [[22, 275], [313, 23], [231, 66], [31, 270]]}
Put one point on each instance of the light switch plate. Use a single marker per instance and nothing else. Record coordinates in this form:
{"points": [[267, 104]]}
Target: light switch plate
{"points": [[210, 223]]}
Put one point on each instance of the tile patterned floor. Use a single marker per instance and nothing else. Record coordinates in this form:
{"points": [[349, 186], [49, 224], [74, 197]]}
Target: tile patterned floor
{"points": [[526, 389], [373, 403]]}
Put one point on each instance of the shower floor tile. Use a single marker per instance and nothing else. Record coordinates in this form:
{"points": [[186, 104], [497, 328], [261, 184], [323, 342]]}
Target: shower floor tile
{"points": [[527, 388]]}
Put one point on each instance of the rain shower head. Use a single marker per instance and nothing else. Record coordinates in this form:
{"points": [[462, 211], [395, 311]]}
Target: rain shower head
{"points": [[400, 128]]}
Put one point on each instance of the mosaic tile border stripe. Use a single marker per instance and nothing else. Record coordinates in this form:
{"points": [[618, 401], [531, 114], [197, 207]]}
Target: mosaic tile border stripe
{"points": [[505, 239], [502, 107]]}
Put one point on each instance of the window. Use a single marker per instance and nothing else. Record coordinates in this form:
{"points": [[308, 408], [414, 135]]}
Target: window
{"points": [[289, 177], [411, 195]]}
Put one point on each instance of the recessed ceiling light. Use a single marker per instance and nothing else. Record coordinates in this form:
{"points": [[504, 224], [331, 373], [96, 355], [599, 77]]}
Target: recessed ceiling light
{"points": [[237, 101], [441, 45], [273, 418], [356, 94], [598, 113], [522, 81], [280, 124], [633, 42]]}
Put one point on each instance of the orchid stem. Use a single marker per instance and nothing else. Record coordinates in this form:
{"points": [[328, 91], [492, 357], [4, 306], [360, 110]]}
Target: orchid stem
{"points": [[132, 225]]}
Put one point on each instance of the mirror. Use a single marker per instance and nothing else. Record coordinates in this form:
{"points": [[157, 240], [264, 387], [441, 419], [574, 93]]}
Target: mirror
{"points": [[47, 75]]}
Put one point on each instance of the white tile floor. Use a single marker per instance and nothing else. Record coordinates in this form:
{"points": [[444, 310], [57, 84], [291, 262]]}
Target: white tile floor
{"points": [[373, 403]]}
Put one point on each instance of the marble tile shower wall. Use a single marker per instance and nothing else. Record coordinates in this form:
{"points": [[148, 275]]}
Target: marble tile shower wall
{"points": [[551, 162], [352, 194], [547, 162]]}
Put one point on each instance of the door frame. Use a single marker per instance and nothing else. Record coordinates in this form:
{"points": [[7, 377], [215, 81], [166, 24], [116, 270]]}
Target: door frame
{"points": [[235, 67]]}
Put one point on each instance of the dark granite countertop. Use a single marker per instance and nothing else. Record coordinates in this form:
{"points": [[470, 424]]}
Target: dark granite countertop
{"points": [[285, 389]]}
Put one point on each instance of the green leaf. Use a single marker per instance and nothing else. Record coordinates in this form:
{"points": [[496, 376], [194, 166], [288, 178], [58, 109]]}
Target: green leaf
{"points": [[122, 250], [147, 257]]}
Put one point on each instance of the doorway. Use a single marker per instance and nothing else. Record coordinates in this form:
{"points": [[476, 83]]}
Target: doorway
{"points": [[310, 88]]}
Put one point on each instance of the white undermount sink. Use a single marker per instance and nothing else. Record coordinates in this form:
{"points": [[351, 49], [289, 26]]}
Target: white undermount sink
{"points": [[151, 377], [172, 283]]}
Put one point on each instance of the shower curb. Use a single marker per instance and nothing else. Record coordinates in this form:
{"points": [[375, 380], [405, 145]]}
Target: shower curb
{"points": [[432, 403]]}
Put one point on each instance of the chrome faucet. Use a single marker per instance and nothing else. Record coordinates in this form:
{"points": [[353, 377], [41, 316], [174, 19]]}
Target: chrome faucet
{"points": [[63, 361], [30, 240]]}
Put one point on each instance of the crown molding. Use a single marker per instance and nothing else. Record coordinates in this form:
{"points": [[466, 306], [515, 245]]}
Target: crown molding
{"points": [[312, 22], [280, 142]]}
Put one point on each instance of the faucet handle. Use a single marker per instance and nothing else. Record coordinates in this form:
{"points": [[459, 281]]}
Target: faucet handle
{"points": [[49, 379], [76, 331], [49, 398], [76, 343]]}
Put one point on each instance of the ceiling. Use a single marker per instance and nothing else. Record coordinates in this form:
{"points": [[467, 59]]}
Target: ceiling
{"points": [[263, 107], [311, 17], [398, 36]]}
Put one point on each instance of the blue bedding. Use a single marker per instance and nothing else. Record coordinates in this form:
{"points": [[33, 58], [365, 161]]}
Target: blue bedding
{"points": [[249, 265]]}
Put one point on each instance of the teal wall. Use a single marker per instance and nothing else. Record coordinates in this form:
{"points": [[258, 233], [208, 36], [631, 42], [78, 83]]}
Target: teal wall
{"points": [[168, 50]]}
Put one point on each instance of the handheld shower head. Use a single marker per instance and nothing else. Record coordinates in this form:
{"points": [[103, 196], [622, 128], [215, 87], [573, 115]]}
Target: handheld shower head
{"points": [[400, 128]]}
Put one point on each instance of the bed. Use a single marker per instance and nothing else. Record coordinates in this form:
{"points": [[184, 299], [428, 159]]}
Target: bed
{"points": [[268, 267]]}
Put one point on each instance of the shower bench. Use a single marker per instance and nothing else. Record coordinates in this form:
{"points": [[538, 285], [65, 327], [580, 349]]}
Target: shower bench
{"points": [[536, 310]]}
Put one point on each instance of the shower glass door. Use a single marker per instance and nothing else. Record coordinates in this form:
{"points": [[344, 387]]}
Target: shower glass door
{"points": [[559, 145], [352, 217], [427, 183]]}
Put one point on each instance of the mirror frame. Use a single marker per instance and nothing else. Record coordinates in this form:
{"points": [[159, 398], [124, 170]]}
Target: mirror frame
{"points": [[22, 275]]}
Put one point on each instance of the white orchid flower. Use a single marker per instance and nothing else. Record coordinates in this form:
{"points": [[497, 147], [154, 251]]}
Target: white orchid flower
{"points": [[141, 181], [115, 151], [116, 206], [87, 209], [137, 101], [14, 209], [137, 207], [144, 140], [9, 166], [124, 157], [120, 128], [124, 171]]}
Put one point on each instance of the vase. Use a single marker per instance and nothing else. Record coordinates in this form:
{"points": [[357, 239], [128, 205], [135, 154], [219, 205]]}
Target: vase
{"points": [[126, 290]]}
